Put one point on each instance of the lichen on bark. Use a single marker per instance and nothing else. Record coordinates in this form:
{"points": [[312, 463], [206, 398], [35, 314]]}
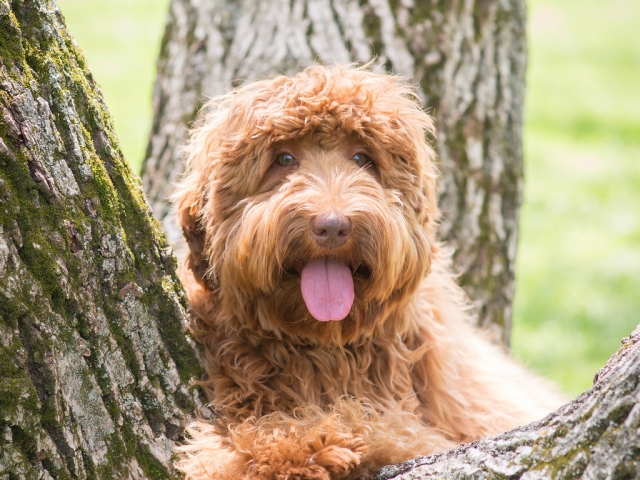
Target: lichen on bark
{"points": [[96, 359]]}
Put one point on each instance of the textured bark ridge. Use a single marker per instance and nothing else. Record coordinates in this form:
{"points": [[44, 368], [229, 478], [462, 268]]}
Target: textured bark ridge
{"points": [[597, 436], [94, 356], [467, 55]]}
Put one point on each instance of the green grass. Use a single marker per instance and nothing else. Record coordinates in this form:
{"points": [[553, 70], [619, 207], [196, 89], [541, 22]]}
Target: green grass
{"points": [[121, 40], [578, 272], [578, 269]]}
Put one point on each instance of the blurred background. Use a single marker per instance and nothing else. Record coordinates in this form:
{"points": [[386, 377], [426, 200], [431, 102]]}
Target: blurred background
{"points": [[578, 268]]}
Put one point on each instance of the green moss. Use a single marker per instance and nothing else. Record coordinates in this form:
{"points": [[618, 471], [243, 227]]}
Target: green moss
{"points": [[10, 45], [127, 446], [16, 392], [55, 71], [37, 255], [55, 471], [567, 466], [150, 465], [100, 373], [628, 468], [123, 340], [162, 299], [422, 11], [570, 466], [10, 313], [49, 414], [129, 439], [117, 456], [586, 416], [371, 25], [620, 412], [26, 443], [89, 466], [103, 189], [37, 218]]}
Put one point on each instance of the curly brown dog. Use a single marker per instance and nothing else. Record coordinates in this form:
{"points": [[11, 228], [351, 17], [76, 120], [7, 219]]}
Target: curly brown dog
{"points": [[336, 339]]}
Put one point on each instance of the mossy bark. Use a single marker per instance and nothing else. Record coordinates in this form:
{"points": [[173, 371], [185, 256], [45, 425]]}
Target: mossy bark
{"points": [[95, 358], [468, 56], [597, 436]]}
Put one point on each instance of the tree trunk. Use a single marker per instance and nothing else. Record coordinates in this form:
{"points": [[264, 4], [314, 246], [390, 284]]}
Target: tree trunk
{"points": [[95, 360], [594, 437], [468, 57]]}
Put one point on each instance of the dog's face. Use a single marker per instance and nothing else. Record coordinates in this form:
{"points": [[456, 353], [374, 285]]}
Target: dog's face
{"points": [[309, 203]]}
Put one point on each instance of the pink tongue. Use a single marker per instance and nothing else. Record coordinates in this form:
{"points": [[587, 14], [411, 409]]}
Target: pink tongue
{"points": [[327, 289]]}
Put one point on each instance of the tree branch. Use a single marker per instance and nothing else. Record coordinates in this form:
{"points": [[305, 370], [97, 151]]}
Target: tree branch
{"points": [[595, 436]]}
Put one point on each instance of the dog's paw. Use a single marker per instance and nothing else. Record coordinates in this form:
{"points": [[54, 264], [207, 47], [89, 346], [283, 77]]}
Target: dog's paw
{"points": [[286, 471], [326, 457], [338, 454], [311, 472]]}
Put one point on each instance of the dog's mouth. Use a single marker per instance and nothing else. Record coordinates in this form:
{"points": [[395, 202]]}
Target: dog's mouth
{"points": [[359, 270], [327, 286]]}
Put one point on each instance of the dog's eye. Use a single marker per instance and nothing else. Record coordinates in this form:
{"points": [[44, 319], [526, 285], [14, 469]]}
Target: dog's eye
{"points": [[286, 160], [361, 159]]}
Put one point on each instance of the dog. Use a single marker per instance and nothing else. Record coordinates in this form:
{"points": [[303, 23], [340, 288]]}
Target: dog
{"points": [[336, 340]]}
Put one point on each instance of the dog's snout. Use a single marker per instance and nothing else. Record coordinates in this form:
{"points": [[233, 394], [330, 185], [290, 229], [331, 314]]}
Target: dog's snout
{"points": [[330, 229]]}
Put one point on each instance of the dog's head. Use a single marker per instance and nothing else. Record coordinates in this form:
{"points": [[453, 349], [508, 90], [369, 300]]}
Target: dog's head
{"points": [[309, 203]]}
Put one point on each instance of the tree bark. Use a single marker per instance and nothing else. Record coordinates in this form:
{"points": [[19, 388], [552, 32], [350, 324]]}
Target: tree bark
{"points": [[95, 359], [467, 55], [597, 436]]}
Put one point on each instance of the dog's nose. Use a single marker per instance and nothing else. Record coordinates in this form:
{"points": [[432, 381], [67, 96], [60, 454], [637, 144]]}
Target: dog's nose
{"points": [[330, 229]]}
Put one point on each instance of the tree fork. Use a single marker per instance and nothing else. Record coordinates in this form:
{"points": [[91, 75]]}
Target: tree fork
{"points": [[96, 362]]}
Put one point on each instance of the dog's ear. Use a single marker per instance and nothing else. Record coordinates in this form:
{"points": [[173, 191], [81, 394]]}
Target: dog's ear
{"points": [[193, 193], [189, 203]]}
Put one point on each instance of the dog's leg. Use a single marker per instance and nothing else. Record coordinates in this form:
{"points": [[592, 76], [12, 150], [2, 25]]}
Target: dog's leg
{"points": [[290, 449], [314, 452], [350, 441]]}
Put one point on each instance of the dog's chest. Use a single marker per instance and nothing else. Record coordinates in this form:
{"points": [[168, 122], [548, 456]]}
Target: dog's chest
{"points": [[321, 376]]}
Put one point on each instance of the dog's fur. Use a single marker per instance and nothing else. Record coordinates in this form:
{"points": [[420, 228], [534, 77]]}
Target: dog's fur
{"points": [[405, 373]]}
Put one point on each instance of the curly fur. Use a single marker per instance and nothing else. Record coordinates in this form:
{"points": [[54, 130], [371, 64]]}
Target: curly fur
{"points": [[405, 373]]}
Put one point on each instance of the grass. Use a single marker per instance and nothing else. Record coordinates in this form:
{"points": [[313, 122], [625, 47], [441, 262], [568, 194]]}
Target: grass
{"points": [[578, 271], [121, 39]]}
